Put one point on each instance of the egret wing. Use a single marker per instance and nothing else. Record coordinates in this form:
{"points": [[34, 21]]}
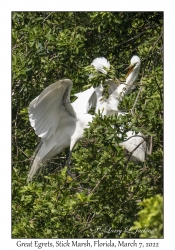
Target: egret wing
{"points": [[46, 109], [85, 101]]}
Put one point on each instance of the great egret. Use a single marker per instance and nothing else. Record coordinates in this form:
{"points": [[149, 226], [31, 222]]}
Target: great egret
{"points": [[134, 143], [92, 97], [61, 124], [88, 98], [100, 63], [54, 120]]}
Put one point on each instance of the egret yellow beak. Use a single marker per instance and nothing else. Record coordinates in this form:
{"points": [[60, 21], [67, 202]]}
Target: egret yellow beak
{"points": [[130, 69]]}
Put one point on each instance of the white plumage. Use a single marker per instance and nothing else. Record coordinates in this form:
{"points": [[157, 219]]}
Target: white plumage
{"points": [[54, 120], [134, 68], [136, 145], [85, 101], [93, 98], [100, 64], [61, 124], [116, 91]]}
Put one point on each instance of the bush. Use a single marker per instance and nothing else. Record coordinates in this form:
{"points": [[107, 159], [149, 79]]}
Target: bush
{"points": [[150, 221], [104, 195]]}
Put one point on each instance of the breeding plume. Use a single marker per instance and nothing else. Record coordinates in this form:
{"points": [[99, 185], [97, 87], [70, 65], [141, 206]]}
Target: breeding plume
{"points": [[61, 124], [92, 97]]}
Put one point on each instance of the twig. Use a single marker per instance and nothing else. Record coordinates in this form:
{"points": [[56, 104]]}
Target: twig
{"points": [[132, 110], [32, 220], [16, 45], [133, 84], [24, 154], [84, 229], [156, 42], [159, 90], [48, 15], [136, 36], [130, 153], [21, 161], [98, 183], [89, 220], [134, 136], [149, 151]]}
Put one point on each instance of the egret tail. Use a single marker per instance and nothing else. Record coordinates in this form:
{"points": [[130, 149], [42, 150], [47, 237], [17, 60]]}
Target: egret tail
{"points": [[34, 168]]}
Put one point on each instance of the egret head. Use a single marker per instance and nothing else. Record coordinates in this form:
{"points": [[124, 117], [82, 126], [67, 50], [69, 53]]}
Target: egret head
{"points": [[100, 63], [134, 64]]}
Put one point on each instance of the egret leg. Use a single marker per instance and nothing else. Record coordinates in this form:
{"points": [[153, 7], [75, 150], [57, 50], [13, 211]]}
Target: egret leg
{"points": [[69, 158], [68, 168], [66, 159], [68, 162]]}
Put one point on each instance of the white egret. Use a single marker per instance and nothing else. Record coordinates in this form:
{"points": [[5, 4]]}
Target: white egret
{"points": [[100, 63], [136, 145], [116, 91], [61, 124], [88, 98], [54, 120], [110, 106], [93, 98]]}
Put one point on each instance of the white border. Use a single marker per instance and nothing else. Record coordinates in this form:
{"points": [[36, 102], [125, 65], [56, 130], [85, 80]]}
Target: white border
{"points": [[5, 99]]}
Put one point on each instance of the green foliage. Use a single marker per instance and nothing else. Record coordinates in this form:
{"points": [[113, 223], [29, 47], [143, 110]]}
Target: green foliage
{"points": [[150, 222], [98, 78], [105, 193]]}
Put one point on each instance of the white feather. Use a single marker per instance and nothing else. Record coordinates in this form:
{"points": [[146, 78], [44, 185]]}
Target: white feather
{"points": [[110, 106], [55, 121], [99, 64], [136, 144], [85, 101], [61, 124], [48, 105]]}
